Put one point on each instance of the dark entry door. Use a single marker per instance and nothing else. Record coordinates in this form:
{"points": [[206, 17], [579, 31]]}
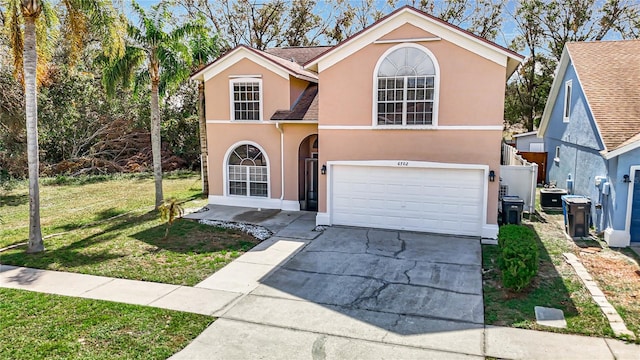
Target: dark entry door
{"points": [[311, 183], [634, 229]]}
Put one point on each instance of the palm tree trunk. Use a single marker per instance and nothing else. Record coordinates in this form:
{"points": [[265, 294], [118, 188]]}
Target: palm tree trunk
{"points": [[203, 139], [30, 60], [156, 147]]}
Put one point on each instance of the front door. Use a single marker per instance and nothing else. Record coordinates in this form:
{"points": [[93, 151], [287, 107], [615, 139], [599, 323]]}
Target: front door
{"points": [[634, 229], [311, 183]]}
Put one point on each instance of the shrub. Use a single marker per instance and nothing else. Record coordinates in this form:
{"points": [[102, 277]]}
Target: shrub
{"points": [[518, 258]]}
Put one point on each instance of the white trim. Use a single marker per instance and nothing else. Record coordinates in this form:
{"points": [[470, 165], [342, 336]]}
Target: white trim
{"points": [[436, 88], [487, 229], [411, 127], [225, 167], [253, 202], [411, 16], [234, 57], [568, 94], [630, 189], [621, 150], [617, 238], [395, 41], [251, 122], [232, 112], [323, 219], [535, 132], [245, 76], [490, 231]]}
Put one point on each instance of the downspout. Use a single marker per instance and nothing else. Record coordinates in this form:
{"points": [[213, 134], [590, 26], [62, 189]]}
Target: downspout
{"points": [[281, 162]]}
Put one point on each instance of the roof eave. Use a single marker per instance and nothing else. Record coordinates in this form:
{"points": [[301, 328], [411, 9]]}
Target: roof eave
{"points": [[513, 58], [565, 58], [620, 150]]}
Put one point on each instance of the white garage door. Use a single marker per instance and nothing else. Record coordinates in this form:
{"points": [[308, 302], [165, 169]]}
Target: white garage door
{"points": [[449, 201]]}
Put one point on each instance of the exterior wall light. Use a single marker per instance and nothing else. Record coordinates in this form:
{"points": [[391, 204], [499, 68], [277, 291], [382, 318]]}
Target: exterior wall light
{"points": [[492, 176], [323, 170], [625, 179]]}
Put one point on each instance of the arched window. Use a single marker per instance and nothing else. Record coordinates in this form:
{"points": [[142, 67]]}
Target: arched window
{"points": [[248, 172], [406, 87]]}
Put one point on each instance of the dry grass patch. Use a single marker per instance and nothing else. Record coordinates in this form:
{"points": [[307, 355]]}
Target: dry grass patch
{"points": [[618, 276]]}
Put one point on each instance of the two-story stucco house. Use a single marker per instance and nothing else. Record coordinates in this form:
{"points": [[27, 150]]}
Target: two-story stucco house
{"points": [[591, 130], [398, 127]]}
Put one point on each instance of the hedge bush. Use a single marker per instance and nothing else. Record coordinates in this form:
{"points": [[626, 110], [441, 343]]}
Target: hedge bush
{"points": [[518, 258]]}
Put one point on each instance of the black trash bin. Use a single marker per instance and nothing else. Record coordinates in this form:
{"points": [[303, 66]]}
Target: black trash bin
{"points": [[512, 207], [578, 216], [551, 198]]}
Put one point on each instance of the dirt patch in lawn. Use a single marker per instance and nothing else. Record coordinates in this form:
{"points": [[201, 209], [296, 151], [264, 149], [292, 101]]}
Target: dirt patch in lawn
{"points": [[618, 276]]}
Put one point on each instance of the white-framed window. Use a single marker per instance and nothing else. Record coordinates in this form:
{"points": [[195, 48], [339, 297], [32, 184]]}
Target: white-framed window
{"points": [[557, 157], [406, 87], [247, 172], [246, 99], [566, 114]]}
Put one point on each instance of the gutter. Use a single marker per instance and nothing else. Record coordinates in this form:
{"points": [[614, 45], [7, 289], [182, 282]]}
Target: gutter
{"points": [[281, 129]]}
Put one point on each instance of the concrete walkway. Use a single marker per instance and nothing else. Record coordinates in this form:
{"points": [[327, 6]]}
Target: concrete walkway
{"points": [[253, 325]]}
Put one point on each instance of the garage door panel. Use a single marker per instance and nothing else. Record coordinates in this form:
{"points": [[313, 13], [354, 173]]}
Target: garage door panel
{"points": [[420, 199]]}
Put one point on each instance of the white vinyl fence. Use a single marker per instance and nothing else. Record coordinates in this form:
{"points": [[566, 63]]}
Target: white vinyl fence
{"points": [[519, 176]]}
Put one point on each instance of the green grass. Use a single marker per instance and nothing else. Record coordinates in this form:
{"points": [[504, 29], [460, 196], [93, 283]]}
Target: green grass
{"points": [[39, 326], [107, 227], [555, 286]]}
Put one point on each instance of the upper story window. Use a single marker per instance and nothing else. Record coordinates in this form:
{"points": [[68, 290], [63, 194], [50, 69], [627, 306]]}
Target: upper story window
{"points": [[406, 88], [567, 101], [246, 99]]}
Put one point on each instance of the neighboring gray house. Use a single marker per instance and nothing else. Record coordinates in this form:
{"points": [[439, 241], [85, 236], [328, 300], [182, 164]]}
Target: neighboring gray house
{"points": [[591, 130], [529, 142]]}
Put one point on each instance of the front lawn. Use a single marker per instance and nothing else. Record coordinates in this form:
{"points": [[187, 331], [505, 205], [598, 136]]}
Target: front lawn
{"points": [[107, 226], [44, 326]]}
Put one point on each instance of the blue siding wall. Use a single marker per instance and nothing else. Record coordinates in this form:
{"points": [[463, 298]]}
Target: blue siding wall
{"points": [[623, 167], [580, 145]]}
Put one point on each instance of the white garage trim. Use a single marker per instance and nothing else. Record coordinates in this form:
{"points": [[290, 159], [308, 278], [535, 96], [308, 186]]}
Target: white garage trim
{"points": [[487, 231]]}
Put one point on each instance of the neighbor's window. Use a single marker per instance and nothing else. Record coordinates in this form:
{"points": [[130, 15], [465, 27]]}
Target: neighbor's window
{"points": [[406, 88], [557, 157], [567, 101], [248, 172], [247, 97]]}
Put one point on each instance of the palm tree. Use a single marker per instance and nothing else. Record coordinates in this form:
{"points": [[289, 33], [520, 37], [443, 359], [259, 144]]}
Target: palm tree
{"points": [[155, 55], [32, 24], [204, 49]]}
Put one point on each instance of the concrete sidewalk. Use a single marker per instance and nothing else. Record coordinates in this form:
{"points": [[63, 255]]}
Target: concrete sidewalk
{"points": [[208, 297]]}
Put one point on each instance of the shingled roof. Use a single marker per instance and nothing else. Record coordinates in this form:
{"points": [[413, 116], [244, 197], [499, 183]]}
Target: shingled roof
{"points": [[306, 108], [300, 54], [609, 73]]}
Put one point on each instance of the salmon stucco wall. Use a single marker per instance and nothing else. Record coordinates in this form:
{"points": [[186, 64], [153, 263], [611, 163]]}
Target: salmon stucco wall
{"points": [[471, 87], [297, 86], [471, 93], [223, 136], [266, 136], [275, 90]]}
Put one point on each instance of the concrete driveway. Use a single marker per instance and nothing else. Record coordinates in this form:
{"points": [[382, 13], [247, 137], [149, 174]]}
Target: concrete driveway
{"points": [[364, 293]]}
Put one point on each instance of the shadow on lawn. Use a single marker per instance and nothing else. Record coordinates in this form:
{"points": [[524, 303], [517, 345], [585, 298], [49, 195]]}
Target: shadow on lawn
{"points": [[78, 253], [188, 236], [506, 308], [14, 200]]}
